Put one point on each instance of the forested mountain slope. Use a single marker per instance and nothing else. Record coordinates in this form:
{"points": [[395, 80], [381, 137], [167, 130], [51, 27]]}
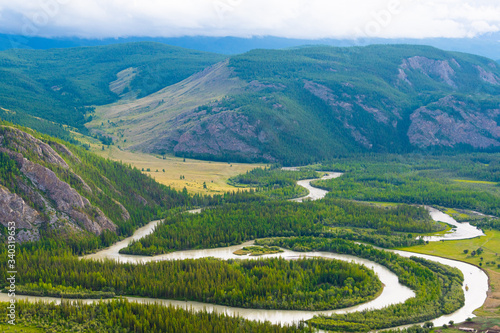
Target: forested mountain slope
{"points": [[61, 84], [313, 103], [59, 191]]}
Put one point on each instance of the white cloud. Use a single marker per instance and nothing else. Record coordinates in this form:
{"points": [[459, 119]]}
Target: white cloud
{"points": [[285, 18]]}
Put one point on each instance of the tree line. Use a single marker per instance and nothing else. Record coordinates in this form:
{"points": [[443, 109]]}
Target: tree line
{"points": [[272, 283], [275, 183], [232, 224], [123, 316]]}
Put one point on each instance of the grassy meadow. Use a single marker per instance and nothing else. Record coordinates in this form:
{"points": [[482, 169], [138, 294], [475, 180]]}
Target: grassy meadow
{"points": [[194, 173], [455, 250]]}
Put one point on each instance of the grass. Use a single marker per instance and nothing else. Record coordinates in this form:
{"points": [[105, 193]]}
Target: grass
{"points": [[474, 181], [446, 229], [195, 172], [19, 328], [457, 215], [455, 250], [480, 324], [382, 204]]}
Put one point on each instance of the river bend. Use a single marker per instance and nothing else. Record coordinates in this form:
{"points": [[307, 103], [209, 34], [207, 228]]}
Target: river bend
{"points": [[393, 292]]}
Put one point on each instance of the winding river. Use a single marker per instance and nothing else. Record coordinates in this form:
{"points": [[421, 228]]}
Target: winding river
{"points": [[393, 292], [459, 231]]}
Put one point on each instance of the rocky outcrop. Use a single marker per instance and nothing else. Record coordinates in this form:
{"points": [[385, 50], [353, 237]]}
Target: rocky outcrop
{"points": [[14, 209], [83, 184], [62, 206], [24, 142], [140, 199], [67, 199], [450, 121], [225, 132], [216, 131], [328, 96], [313, 104], [403, 77], [430, 67], [62, 149], [487, 76], [345, 106]]}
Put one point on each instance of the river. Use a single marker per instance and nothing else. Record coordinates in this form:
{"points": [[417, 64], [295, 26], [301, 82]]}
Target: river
{"points": [[393, 292]]}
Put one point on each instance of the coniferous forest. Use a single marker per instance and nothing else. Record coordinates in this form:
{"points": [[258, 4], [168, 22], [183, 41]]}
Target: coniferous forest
{"points": [[316, 284], [247, 221], [373, 203]]}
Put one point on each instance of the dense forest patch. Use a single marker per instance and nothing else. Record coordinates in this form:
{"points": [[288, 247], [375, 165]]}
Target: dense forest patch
{"points": [[275, 183], [316, 284], [123, 316], [233, 224], [425, 180]]}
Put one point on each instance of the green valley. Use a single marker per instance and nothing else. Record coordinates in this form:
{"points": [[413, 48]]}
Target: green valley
{"points": [[148, 188]]}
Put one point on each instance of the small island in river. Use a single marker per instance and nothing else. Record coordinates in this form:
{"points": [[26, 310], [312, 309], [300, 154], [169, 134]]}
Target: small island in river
{"points": [[258, 250]]}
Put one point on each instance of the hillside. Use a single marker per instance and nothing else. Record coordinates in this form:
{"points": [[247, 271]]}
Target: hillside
{"points": [[314, 103], [54, 190], [62, 85]]}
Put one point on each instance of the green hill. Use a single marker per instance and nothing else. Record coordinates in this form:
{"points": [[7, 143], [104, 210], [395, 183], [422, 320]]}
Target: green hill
{"points": [[314, 103], [61, 85], [292, 106]]}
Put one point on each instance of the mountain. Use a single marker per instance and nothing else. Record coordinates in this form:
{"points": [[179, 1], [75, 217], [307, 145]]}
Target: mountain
{"points": [[54, 190], [61, 85], [486, 45], [312, 103]]}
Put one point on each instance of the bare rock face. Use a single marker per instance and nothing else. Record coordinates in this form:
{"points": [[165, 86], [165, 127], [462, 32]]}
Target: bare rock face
{"points": [[46, 180], [487, 76], [64, 150], [41, 198], [429, 67], [25, 235], [14, 209], [67, 199], [85, 186], [222, 131], [449, 122], [140, 199], [24, 142]]}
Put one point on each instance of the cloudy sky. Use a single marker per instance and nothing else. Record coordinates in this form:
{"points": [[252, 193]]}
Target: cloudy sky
{"points": [[244, 18]]}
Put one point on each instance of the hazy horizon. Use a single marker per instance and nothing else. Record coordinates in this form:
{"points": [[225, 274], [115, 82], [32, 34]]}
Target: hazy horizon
{"points": [[300, 19]]}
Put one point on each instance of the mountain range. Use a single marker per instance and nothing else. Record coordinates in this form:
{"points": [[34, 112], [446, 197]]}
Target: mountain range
{"points": [[313, 103], [293, 106], [487, 45]]}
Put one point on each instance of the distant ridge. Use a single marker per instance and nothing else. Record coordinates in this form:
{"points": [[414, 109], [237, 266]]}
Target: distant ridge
{"points": [[295, 106], [487, 45]]}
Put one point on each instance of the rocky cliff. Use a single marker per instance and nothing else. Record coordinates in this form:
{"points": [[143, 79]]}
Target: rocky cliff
{"points": [[43, 200]]}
